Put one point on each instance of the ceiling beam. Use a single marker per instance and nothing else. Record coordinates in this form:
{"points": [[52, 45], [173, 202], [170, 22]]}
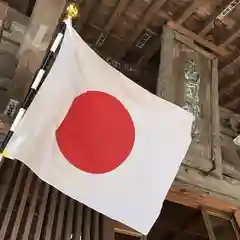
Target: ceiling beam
{"points": [[85, 12], [227, 90], [189, 11], [232, 103], [229, 69], [210, 23], [141, 25], [219, 50], [231, 38], [120, 8]]}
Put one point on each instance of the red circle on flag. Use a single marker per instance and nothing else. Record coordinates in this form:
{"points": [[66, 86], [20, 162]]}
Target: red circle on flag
{"points": [[97, 134]]}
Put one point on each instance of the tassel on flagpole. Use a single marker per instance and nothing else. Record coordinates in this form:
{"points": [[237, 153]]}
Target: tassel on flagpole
{"points": [[71, 12]]}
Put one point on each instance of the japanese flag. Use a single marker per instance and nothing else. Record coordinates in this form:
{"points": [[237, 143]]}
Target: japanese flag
{"points": [[101, 139]]}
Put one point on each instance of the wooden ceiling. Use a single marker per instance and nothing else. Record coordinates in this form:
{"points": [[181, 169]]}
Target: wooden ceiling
{"points": [[127, 34]]}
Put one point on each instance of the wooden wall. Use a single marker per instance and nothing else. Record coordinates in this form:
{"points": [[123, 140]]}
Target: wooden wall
{"points": [[32, 209]]}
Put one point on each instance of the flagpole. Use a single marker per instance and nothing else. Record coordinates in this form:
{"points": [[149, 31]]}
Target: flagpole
{"points": [[39, 77]]}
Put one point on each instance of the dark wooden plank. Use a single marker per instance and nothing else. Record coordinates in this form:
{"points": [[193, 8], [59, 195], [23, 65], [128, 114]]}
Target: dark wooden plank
{"points": [[85, 12], [142, 24], [231, 38], [12, 201], [189, 11], [95, 225], [7, 176], [229, 69], [53, 203], [61, 213], [31, 211], [216, 49], [210, 23], [227, 90], [69, 221], [22, 206], [151, 51], [232, 104], [42, 212], [78, 222], [87, 224], [120, 8], [216, 150]]}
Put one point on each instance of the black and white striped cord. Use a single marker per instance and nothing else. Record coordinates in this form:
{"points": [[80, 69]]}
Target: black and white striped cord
{"points": [[37, 82]]}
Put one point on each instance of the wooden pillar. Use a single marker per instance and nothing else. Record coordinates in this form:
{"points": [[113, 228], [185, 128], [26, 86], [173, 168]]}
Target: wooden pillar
{"points": [[165, 82], [43, 22], [216, 149]]}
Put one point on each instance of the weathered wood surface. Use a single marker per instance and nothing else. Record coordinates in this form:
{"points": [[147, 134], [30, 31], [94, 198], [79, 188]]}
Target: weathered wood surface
{"points": [[196, 189], [165, 81], [220, 51], [31, 209], [216, 150]]}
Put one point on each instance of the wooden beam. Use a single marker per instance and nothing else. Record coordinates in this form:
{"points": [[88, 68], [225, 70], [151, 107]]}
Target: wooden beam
{"points": [[216, 49], [190, 43], [86, 10], [210, 23], [188, 12], [215, 126], [120, 8], [142, 24], [194, 189], [195, 199], [229, 69], [231, 38], [234, 83], [232, 103]]}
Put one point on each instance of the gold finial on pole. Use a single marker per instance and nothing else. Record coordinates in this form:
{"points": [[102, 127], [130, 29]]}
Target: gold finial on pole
{"points": [[72, 11]]}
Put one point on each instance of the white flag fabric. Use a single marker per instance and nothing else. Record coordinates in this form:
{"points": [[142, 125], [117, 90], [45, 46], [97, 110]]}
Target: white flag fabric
{"points": [[101, 139]]}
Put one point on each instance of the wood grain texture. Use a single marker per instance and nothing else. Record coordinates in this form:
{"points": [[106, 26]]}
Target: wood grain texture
{"points": [[42, 212], [141, 25], [12, 201], [216, 150], [69, 221], [220, 51], [78, 222], [22, 205], [32, 208], [60, 217], [165, 81]]}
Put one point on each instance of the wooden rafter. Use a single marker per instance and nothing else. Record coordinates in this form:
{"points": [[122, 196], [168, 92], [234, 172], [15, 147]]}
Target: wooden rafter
{"points": [[85, 13], [188, 12], [232, 103], [228, 69], [210, 23], [219, 50], [142, 24], [235, 82], [231, 38], [121, 6]]}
